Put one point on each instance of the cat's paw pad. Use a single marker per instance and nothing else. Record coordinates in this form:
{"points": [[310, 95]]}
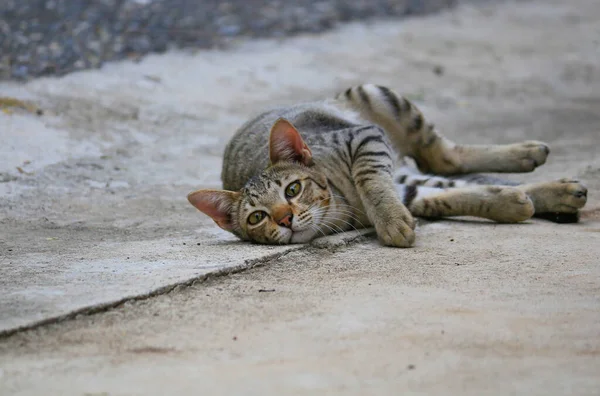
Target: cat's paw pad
{"points": [[529, 155]]}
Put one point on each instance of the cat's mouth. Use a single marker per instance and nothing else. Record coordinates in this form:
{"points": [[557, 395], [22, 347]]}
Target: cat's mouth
{"points": [[304, 231]]}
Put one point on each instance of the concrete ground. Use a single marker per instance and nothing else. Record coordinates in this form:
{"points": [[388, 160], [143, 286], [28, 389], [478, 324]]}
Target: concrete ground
{"points": [[96, 216]]}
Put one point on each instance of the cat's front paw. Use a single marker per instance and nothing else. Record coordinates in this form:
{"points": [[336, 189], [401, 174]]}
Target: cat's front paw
{"points": [[396, 228]]}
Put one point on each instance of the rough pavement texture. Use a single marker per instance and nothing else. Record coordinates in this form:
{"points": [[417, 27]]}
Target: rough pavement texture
{"points": [[55, 37], [475, 308]]}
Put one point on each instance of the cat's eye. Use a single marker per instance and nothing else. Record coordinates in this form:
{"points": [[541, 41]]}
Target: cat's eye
{"points": [[256, 217], [293, 189]]}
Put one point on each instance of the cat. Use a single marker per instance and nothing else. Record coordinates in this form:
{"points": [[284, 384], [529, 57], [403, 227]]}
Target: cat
{"points": [[296, 173]]}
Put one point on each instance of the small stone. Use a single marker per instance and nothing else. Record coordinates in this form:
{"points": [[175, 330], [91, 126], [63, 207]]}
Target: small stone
{"points": [[20, 72], [95, 46], [229, 30], [94, 61], [55, 49]]}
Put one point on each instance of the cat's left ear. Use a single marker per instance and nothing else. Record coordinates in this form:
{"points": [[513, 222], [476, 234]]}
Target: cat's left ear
{"points": [[286, 144]]}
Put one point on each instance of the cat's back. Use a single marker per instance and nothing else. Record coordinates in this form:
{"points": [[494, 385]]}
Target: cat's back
{"points": [[247, 153]]}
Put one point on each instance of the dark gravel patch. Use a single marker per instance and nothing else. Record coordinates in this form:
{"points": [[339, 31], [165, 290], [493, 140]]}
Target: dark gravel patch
{"points": [[55, 37]]}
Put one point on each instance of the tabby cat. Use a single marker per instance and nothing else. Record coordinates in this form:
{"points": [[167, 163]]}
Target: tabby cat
{"points": [[293, 174]]}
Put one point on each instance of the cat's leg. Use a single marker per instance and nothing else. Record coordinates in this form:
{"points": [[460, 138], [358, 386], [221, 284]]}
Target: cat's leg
{"points": [[371, 164], [414, 137], [557, 201], [503, 204]]}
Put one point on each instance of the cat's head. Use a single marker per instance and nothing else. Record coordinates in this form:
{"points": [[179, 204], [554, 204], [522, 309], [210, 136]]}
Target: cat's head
{"points": [[284, 204]]}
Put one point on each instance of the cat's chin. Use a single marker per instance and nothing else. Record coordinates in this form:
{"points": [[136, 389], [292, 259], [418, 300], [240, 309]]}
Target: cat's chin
{"points": [[303, 236]]}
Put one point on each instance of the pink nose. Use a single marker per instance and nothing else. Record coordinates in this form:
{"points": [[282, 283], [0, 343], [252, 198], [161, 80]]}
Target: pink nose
{"points": [[286, 220]]}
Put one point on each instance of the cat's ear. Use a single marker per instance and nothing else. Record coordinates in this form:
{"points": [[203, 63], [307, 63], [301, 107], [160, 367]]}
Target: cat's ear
{"points": [[216, 204], [286, 144]]}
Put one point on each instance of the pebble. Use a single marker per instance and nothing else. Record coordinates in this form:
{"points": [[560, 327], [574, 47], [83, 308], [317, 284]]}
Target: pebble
{"points": [[55, 37]]}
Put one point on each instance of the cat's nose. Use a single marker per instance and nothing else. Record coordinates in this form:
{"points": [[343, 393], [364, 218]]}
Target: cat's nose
{"points": [[286, 220]]}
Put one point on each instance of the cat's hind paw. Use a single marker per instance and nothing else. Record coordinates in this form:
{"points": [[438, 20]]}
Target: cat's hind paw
{"points": [[526, 156], [507, 205], [559, 201]]}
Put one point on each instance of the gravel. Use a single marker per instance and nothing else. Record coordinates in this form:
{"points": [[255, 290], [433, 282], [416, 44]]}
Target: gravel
{"points": [[55, 37]]}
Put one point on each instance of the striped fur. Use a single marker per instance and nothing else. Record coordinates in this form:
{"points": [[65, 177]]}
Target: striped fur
{"points": [[295, 173]]}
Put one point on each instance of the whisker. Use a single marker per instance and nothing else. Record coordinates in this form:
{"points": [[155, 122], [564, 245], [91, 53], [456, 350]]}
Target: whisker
{"points": [[333, 230], [350, 224], [347, 213], [331, 217], [345, 204], [315, 228]]}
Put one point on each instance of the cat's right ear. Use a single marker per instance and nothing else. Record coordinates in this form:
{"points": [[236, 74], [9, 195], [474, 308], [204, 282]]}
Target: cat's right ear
{"points": [[215, 203], [286, 144]]}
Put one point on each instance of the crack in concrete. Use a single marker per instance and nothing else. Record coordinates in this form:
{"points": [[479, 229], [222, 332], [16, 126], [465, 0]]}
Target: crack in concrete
{"points": [[333, 243]]}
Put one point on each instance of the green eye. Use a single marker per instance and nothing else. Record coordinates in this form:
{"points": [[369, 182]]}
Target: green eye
{"points": [[293, 189], [256, 217]]}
